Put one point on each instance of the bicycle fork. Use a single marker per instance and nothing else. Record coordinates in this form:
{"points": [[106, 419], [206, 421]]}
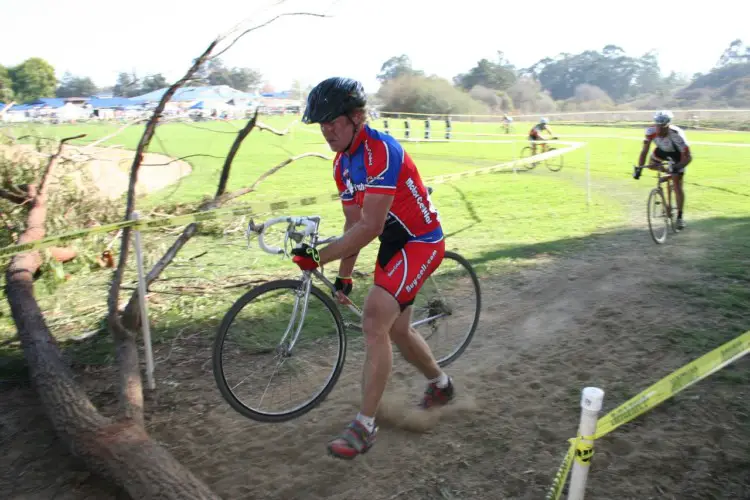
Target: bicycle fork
{"points": [[302, 295]]}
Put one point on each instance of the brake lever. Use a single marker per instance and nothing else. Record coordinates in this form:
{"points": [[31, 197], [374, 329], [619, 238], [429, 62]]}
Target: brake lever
{"points": [[252, 228]]}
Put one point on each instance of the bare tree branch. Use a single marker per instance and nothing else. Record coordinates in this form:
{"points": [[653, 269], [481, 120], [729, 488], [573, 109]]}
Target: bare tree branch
{"points": [[7, 107], [263, 126], [113, 134], [287, 14], [249, 189], [131, 314], [241, 135], [202, 155], [131, 393]]}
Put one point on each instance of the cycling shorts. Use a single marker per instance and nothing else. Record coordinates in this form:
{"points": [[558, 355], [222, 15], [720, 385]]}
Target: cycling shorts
{"points": [[661, 155], [402, 271]]}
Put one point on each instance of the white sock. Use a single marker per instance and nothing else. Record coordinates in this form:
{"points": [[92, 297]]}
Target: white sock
{"points": [[368, 422], [441, 381]]}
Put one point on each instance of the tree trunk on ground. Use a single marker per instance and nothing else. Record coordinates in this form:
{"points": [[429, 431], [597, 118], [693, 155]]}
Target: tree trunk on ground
{"points": [[119, 449]]}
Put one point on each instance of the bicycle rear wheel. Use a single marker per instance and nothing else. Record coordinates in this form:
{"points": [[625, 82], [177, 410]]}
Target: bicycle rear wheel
{"points": [[658, 220], [554, 164], [251, 339], [447, 307]]}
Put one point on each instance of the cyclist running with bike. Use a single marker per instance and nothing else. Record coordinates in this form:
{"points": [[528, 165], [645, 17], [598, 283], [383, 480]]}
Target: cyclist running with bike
{"points": [[382, 196], [535, 134], [670, 143]]}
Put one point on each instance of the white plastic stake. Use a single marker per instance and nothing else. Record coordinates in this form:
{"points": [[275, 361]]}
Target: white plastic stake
{"points": [[591, 404], [588, 175], [144, 308]]}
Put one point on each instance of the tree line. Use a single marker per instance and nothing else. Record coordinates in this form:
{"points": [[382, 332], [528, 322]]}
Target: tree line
{"points": [[608, 79], [35, 78]]}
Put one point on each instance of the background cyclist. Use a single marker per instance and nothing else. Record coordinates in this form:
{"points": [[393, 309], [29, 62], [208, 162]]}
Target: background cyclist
{"points": [[670, 143], [535, 134]]}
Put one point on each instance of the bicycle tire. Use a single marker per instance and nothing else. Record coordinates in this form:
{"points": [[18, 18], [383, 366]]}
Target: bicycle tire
{"points": [[554, 164], [453, 355], [526, 153], [657, 196], [226, 322]]}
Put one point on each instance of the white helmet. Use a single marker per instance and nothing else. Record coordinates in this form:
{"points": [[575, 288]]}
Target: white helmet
{"points": [[544, 120], [663, 117]]}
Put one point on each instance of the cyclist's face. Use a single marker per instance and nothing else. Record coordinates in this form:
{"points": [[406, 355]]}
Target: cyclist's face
{"points": [[662, 129], [338, 133]]}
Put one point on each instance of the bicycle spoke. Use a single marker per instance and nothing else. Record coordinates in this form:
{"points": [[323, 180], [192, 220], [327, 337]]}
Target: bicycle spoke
{"points": [[446, 310]]}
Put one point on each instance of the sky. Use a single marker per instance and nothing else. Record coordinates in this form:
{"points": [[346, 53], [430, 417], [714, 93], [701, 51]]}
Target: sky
{"points": [[88, 38]]}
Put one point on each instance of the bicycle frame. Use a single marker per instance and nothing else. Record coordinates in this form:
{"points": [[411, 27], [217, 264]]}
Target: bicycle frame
{"points": [[311, 225], [543, 144], [660, 179]]}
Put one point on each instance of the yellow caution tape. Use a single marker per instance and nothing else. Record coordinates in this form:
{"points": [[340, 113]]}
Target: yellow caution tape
{"points": [[584, 452], [256, 208], [657, 393], [63, 238], [674, 383], [558, 483]]}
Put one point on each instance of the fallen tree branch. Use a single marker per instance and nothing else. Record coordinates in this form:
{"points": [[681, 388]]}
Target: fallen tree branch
{"points": [[131, 315], [13, 198], [117, 447], [131, 386]]}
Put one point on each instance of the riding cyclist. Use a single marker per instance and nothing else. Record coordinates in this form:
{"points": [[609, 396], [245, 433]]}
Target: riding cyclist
{"points": [[670, 143], [382, 196], [507, 121], [535, 134]]}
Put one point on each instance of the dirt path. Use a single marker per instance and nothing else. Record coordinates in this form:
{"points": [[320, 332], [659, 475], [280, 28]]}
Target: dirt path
{"points": [[596, 318]]}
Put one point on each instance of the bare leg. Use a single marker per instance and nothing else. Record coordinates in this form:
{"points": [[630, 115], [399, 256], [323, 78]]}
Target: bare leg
{"points": [[413, 347], [380, 313], [679, 193]]}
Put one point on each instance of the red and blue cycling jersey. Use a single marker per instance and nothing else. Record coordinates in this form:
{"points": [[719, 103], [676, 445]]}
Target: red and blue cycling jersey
{"points": [[377, 163]]}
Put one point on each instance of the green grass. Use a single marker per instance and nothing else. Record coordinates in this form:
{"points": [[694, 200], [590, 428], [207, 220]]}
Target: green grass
{"points": [[498, 221]]}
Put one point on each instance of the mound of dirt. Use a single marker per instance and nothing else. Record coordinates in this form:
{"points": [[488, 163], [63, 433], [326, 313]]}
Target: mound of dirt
{"points": [[108, 169]]}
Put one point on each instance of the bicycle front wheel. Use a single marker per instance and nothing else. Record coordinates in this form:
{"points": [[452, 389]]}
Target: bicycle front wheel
{"points": [[527, 153], [447, 307], [554, 164], [279, 351], [658, 220]]}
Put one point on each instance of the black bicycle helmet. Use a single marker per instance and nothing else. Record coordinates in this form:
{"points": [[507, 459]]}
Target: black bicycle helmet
{"points": [[332, 98]]}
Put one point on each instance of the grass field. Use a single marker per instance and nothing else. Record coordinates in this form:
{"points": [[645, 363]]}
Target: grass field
{"points": [[565, 284]]}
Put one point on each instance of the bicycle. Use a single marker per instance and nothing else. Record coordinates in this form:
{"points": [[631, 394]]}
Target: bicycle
{"points": [[555, 164], [293, 344], [659, 210]]}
